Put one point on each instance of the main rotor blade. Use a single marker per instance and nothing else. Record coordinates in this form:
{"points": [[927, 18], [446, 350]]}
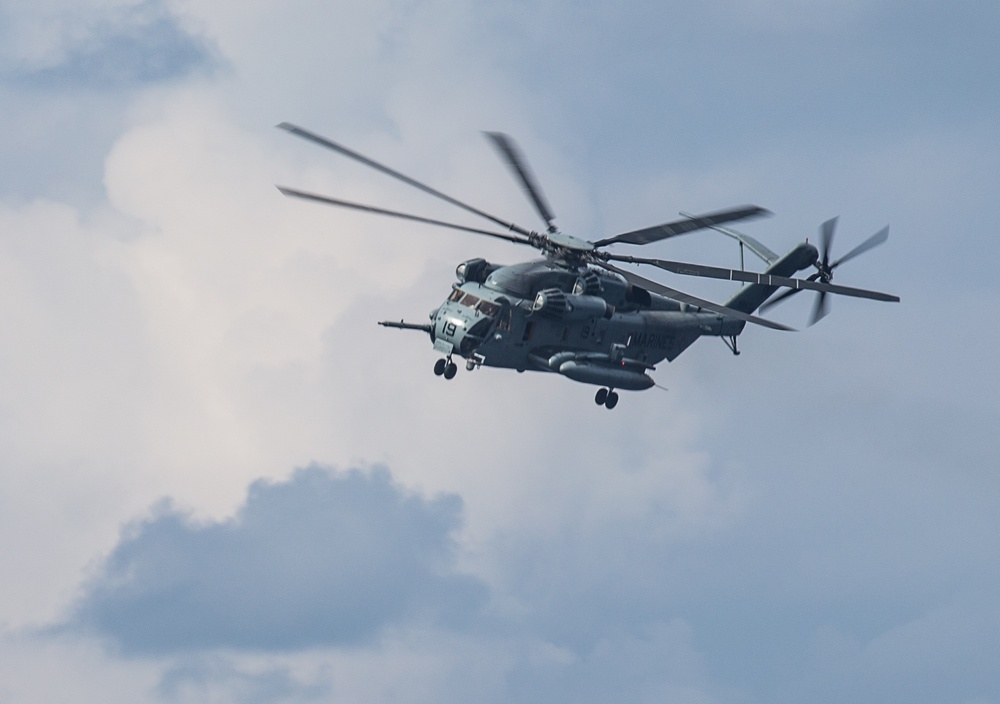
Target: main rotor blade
{"points": [[682, 297], [753, 245], [323, 142], [873, 241], [396, 214], [714, 272], [680, 227], [516, 161]]}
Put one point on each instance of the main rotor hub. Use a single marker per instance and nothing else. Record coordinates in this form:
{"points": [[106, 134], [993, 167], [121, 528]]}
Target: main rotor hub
{"points": [[568, 243]]}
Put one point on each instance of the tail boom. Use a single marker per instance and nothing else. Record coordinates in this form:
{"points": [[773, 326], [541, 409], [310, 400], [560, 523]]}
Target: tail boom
{"points": [[751, 297]]}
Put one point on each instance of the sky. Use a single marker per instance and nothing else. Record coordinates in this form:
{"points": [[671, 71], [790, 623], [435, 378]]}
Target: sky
{"points": [[221, 481]]}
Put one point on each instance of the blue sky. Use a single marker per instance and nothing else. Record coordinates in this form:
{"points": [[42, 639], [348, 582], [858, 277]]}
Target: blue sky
{"points": [[222, 481]]}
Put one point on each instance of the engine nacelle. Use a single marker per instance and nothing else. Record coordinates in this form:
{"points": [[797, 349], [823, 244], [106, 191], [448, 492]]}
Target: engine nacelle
{"points": [[558, 304], [474, 270], [589, 284], [551, 302]]}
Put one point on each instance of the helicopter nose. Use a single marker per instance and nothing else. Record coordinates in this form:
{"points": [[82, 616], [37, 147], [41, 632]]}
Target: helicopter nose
{"points": [[434, 313]]}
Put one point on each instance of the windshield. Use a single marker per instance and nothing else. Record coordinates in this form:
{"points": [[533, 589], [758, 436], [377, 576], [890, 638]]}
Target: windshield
{"points": [[480, 305]]}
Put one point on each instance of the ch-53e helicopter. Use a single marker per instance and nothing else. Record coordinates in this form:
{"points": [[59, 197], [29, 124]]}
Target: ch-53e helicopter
{"points": [[576, 314]]}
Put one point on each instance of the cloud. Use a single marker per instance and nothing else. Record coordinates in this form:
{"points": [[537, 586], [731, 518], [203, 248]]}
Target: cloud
{"points": [[321, 559], [220, 679], [101, 45], [654, 663], [838, 481]]}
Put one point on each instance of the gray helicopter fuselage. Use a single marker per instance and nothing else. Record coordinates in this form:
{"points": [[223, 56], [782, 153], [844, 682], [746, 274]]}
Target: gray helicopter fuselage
{"points": [[583, 322], [587, 324]]}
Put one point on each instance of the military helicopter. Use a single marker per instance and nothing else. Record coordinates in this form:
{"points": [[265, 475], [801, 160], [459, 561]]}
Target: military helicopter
{"points": [[575, 313]]}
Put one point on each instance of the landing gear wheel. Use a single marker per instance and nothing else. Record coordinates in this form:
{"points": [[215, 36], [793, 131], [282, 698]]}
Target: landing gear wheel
{"points": [[612, 400], [450, 370], [440, 366], [601, 398]]}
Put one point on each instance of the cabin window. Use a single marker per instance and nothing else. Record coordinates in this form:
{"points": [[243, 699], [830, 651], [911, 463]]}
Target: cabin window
{"points": [[456, 295], [470, 301]]}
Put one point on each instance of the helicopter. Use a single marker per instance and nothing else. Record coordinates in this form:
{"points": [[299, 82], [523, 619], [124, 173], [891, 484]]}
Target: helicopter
{"points": [[575, 313]]}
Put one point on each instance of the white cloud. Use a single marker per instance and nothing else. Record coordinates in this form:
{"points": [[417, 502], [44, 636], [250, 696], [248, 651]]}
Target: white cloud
{"points": [[75, 377], [99, 43], [63, 671], [219, 679]]}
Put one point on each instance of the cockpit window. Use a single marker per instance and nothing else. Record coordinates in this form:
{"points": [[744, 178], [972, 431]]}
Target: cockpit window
{"points": [[488, 309], [469, 300]]}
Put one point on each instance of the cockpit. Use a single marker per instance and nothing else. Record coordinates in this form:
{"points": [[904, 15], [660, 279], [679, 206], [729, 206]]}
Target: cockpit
{"points": [[469, 300], [465, 319]]}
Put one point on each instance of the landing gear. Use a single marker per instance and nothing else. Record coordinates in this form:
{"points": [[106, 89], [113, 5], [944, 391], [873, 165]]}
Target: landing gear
{"points": [[731, 344], [607, 398], [445, 368]]}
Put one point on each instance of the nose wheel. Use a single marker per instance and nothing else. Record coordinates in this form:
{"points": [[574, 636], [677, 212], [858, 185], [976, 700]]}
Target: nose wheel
{"points": [[446, 368], [607, 398]]}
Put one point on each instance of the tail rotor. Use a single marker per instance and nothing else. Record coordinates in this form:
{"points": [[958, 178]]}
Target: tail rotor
{"points": [[825, 268]]}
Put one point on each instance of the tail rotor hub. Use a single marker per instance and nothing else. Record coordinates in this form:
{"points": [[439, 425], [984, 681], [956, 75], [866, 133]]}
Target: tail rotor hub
{"points": [[825, 268]]}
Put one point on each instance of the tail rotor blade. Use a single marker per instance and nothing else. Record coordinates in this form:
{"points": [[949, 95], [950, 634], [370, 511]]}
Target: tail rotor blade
{"points": [[825, 267], [826, 232], [873, 241], [778, 299], [820, 308], [787, 294]]}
